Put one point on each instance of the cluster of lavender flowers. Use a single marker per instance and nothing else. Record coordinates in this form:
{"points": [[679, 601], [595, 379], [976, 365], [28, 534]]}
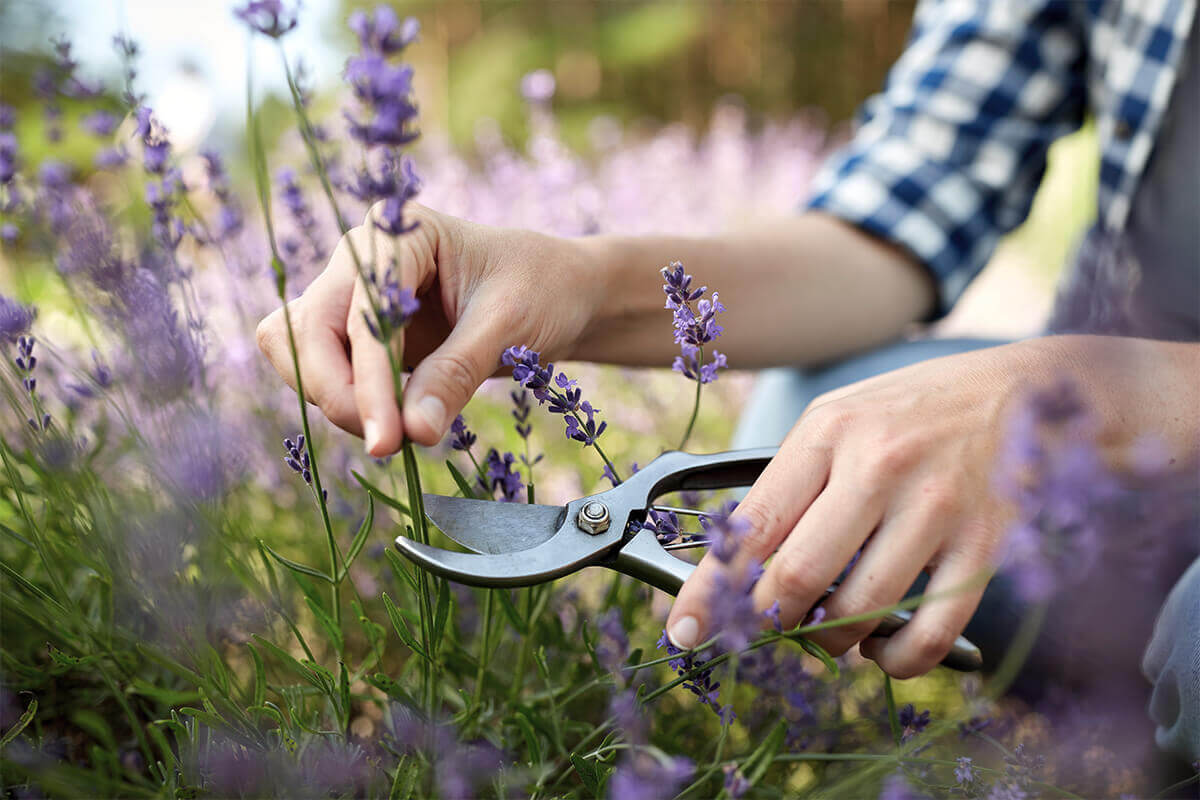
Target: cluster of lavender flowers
{"points": [[563, 394], [694, 327]]}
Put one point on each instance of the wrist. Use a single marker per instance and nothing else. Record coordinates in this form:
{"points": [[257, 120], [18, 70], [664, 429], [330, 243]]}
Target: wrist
{"points": [[1137, 389], [624, 300]]}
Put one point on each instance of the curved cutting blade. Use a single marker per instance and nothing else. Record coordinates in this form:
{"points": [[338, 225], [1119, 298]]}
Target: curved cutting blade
{"points": [[486, 526]]}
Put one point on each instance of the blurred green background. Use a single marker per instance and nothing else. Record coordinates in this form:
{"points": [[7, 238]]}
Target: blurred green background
{"points": [[645, 63]]}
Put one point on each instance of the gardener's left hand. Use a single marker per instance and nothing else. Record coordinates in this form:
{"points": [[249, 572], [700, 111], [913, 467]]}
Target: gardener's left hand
{"points": [[902, 466]]}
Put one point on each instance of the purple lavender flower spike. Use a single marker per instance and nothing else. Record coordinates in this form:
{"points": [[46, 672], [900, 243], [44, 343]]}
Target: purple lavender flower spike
{"points": [[381, 31], [8, 117], [911, 722], [397, 185], [663, 524], [772, 613], [724, 532], [964, 773], [642, 776], [694, 328], [701, 683], [297, 458], [612, 645], [156, 146], [229, 216], [896, 787], [500, 473], [385, 92], [111, 158], [8, 157], [520, 413], [736, 784], [9, 233], [268, 17], [15, 318], [397, 306], [587, 432], [461, 438], [101, 123], [527, 371]]}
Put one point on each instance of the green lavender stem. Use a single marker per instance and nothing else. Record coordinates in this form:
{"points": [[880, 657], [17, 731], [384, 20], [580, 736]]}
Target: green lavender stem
{"points": [[258, 157], [687, 433]]}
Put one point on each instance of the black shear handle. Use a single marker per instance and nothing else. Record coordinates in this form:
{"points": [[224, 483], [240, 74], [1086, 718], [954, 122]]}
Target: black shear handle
{"points": [[643, 558], [675, 470]]}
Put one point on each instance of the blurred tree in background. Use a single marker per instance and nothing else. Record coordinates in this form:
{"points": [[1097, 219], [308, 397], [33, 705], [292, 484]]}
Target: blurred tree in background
{"points": [[649, 61]]}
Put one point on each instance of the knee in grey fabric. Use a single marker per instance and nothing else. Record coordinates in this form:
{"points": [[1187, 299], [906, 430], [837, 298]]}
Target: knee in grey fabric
{"points": [[1172, 664]]}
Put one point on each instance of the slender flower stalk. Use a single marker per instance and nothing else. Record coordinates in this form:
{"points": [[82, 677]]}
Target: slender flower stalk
{"points": [[694, 328]]}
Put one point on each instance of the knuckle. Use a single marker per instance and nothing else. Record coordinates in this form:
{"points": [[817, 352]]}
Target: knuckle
{"points": [[941, 499], [267, 334], [827, 420], [896, 455], [456, 371], [795, 574], [928, 644], [763, 519]]}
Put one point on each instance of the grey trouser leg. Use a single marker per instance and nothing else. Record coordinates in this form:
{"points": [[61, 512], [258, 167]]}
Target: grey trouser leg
{"points": [[1172, 664]]}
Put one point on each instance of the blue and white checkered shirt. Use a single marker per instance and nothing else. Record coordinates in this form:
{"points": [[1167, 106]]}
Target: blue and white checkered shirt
{"points": [[948, 156]]}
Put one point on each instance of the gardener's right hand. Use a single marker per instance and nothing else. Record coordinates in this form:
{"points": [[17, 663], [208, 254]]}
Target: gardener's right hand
{"points": [[482, 289]]}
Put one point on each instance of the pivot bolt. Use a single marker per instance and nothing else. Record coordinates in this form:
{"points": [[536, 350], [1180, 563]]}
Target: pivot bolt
{"points": [[594, 518]]}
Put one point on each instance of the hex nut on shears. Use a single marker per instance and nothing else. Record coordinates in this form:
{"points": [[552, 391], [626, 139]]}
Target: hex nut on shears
{"points": [[594, 518]]}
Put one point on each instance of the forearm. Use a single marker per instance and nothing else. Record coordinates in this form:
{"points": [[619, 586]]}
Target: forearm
{"points": [[800, 290]]}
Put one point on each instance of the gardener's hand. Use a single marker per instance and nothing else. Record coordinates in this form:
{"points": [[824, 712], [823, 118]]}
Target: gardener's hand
{"points": [[900, 465], [482, 289]]}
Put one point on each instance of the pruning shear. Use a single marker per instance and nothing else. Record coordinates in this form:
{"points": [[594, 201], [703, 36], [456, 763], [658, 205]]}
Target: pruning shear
{"points": [[519, 544]]}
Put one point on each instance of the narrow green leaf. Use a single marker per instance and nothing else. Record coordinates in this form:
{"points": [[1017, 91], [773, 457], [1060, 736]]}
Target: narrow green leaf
{"points": [[5, 529], [404, 782], [326, 622], [531, 738], [893, 717], [360, 538], [301, 670], [757, 763], [344, 687], [441, 614], [169, 664], [588, 773], [381, 495], [464, 485], [20, 724], [260, 676], [28, 586], [510, 611], [401, 627], [401, 568], [269, 711], [208, 718], [296, 566], [384, 683], [815, 650]]}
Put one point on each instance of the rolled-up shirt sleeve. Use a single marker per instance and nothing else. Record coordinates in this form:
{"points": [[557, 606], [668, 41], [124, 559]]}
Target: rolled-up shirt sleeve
{"points": [[948, 156]]}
